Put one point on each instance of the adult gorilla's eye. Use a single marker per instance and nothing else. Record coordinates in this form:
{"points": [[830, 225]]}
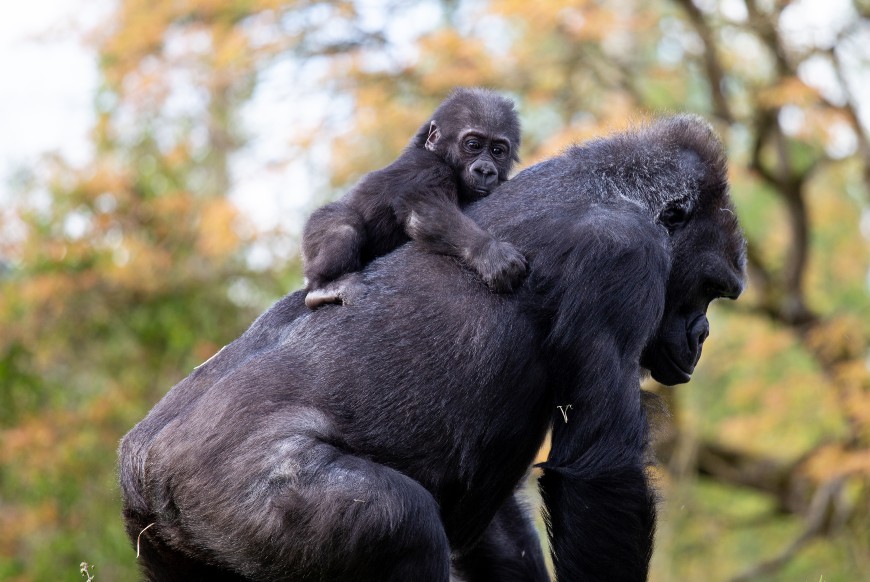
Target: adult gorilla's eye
{"points": [[472, 145], [673, 217]]}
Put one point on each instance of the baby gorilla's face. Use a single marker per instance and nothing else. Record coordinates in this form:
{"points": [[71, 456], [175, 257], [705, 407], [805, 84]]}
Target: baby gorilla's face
{"points": [[485, 162], [477, 133]]}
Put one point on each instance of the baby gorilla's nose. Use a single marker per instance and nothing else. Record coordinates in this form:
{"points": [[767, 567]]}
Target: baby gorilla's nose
{"points": [[486, 174]]}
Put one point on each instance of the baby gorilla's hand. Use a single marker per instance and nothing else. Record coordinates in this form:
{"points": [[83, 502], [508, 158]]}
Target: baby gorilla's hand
{"points": [[501, 266]]}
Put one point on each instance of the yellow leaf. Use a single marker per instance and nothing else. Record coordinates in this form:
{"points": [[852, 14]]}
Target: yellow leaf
{"points": [[789, 91]]}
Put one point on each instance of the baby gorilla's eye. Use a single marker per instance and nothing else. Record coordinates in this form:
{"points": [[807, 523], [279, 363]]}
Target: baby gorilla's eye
{"points": [[498, 151], [473, 145]]}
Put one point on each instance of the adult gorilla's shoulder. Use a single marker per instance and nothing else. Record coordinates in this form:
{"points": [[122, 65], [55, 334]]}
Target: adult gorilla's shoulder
{"points": [[385, 440]]}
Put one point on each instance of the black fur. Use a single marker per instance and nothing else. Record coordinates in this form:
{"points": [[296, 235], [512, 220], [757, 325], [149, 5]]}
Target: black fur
{"points": [[384, 441], [459, 156]]}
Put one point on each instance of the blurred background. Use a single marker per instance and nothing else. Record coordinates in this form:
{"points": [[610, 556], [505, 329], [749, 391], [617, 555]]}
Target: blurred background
{"points": [[158, 158]]}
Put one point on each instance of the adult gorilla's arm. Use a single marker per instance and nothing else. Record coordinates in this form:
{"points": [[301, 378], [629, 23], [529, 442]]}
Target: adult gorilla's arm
{"points": [[600, 509]]}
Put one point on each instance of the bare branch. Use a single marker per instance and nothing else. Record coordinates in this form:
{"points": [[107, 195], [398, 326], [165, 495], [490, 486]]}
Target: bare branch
{"points": [[765, 27], [712, 65], [851, 110], [789, 185]]}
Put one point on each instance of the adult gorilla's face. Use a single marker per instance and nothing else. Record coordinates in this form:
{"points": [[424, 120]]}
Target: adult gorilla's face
{"points": [[708, 264]]}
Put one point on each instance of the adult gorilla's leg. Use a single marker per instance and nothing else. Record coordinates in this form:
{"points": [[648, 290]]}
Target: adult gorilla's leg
{"points": [[337, 516], [510, 550], [161, 563], [315, 513]]}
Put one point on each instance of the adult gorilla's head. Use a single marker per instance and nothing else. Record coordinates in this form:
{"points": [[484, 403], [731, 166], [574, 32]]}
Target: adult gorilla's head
{"points": [[707, 246]]}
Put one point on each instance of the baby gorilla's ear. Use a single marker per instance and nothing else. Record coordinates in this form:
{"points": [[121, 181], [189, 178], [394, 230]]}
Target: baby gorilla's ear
{"points": [[434, 136]]}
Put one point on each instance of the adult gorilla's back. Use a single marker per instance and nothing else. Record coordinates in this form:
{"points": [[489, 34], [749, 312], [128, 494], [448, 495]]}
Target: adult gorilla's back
{"points": [[385, 440]]}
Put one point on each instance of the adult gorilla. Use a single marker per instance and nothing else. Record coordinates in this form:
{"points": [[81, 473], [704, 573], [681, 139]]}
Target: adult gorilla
{"points": [[385, 440]]}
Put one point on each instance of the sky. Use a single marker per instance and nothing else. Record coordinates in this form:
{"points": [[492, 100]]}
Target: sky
{"points": [[47, 80]]}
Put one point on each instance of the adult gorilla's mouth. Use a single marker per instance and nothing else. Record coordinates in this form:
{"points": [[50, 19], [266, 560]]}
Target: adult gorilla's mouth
{"points": [[668, 370]]}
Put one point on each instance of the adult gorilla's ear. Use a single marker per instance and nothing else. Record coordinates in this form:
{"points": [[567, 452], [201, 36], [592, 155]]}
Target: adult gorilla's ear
{"points": [[433, 137], [691, 165]]}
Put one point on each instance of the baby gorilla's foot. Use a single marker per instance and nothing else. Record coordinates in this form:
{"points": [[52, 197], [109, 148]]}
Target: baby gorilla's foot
{"points": [[343, 291], [318, 297]]}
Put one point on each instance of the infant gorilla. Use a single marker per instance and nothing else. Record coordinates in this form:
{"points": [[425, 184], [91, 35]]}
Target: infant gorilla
{"points": [[461, 155]]}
